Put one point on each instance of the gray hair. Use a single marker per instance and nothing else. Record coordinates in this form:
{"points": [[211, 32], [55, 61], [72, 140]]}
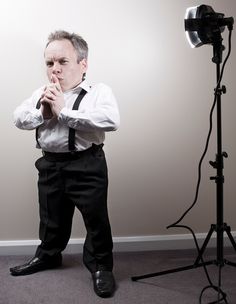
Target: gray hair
{"points": [[79, 44]]}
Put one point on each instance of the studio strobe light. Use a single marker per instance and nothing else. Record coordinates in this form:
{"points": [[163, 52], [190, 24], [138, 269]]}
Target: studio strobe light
{"points": [[204, 26]]}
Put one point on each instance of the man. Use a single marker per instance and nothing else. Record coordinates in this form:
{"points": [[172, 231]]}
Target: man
{"points": [[71, 119]]}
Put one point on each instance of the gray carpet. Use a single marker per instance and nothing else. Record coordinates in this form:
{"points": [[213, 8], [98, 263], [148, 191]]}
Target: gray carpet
{"points": [[71, 284]]}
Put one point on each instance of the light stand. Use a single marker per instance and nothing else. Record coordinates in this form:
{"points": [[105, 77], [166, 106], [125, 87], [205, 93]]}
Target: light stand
{"points": [[220, 227]]}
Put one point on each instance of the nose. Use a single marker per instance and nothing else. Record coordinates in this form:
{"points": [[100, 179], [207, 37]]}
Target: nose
{"points": [[56, 68]]}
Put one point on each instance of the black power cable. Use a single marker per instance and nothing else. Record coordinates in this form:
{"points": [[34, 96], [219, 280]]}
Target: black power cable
{"points": [[176, 224]]}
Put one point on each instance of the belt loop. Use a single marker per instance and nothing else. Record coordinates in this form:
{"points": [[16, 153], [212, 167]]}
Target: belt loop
{"points": [[96, 148]]}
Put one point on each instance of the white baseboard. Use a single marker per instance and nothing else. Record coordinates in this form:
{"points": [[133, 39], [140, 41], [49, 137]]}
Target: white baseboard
{"points": [[121, 244]]}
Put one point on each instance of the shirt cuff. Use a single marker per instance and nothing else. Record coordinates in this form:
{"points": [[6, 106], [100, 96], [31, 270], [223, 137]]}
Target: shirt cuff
{"points": [[37, 114]]}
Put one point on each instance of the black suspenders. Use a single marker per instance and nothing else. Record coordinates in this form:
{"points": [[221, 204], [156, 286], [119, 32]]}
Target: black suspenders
{"points": [[71, 138], [38, 105]]}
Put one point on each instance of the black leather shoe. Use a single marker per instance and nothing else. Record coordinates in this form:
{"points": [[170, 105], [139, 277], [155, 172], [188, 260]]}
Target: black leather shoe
{"points": [[104, 283], [35, 265]]}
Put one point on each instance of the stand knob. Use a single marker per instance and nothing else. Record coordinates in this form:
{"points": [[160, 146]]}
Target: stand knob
{"points": [[223, 89], [225, 154], [213, 164]]}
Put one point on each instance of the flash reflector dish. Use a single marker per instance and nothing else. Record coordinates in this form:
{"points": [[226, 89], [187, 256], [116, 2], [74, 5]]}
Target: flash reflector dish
{"points": [[192, 36]]}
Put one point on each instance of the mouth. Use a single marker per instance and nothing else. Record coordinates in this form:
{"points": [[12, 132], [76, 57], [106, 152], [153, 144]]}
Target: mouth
{"points": [[60, 78]]}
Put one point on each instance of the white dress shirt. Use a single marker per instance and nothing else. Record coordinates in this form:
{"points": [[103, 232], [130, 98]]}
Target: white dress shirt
{"points": [[98, 112]]}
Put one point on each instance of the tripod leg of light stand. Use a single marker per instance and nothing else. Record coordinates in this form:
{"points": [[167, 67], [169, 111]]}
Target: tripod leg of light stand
{"points": [[155, 274], [193, 266], [228, 231], [212, 229]]}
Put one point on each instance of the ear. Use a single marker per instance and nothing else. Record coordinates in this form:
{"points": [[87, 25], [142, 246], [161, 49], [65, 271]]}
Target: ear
{"points": [[84, 65]]}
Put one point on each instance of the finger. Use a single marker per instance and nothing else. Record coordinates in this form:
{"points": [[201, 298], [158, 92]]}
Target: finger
{"points": [[43, 93], [44, 101], [52, 89], [48, 97], [55, 80]]}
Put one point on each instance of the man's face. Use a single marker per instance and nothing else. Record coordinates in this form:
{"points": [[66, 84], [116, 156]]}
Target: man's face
{"points": [[61, 60]]}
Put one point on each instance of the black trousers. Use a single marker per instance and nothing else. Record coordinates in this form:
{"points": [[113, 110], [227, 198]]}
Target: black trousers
{"points": [[67, 181]]}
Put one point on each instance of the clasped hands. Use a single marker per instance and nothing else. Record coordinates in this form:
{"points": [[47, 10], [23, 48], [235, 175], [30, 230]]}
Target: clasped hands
{"points": [[52, 99]]}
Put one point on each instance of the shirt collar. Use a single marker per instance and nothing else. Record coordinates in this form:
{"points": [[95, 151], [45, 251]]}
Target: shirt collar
{"points": [[83, 85]]}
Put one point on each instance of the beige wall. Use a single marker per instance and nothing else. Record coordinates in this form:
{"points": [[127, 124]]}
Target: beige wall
{"points": [[164, 90]]}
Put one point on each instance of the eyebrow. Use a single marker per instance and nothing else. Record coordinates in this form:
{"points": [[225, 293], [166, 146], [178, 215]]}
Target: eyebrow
{"points": [[56, 59]]}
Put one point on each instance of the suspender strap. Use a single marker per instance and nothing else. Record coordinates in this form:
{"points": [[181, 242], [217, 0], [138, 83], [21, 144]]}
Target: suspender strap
{"points": [[37, 129], [71, 139], [38, 104]]}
